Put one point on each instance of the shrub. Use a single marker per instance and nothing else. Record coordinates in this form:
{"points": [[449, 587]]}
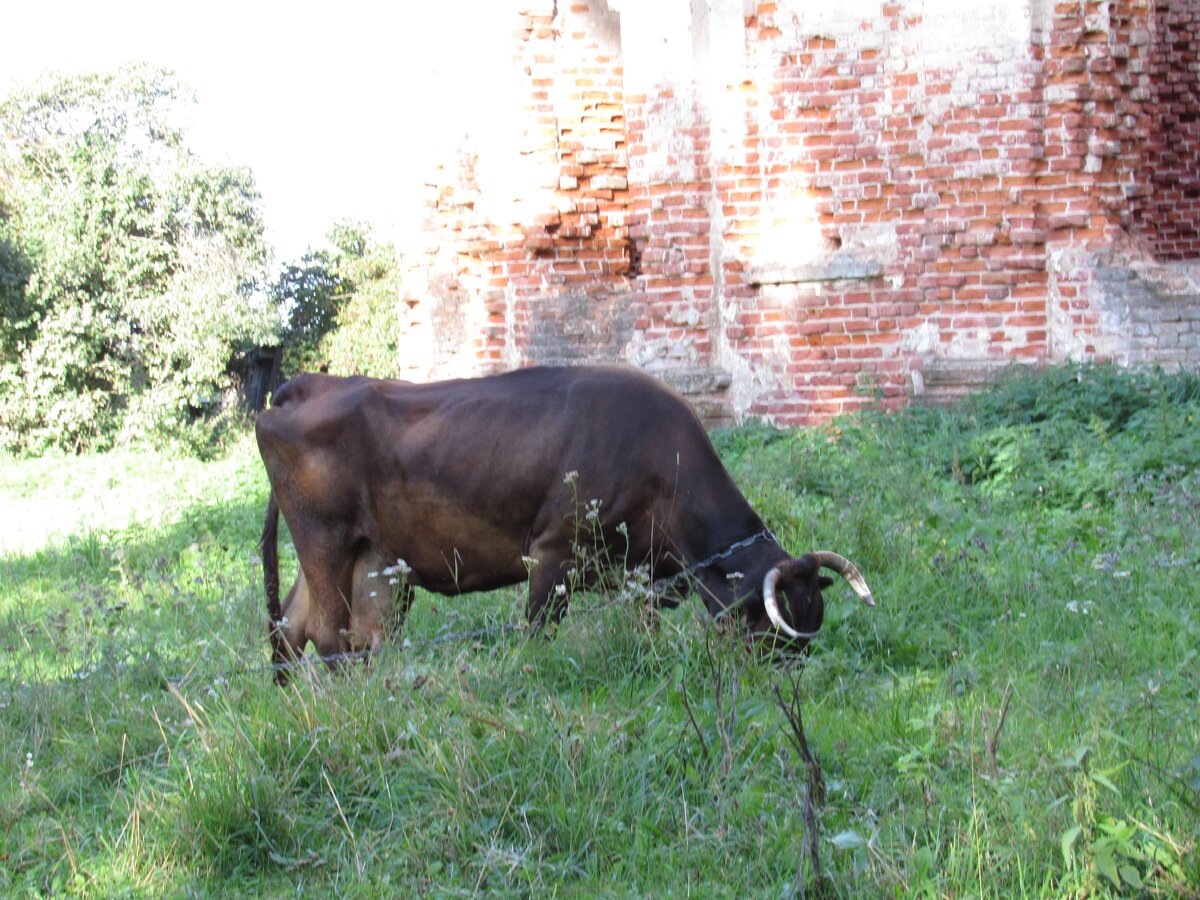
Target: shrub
{"points": [[128, 268]]}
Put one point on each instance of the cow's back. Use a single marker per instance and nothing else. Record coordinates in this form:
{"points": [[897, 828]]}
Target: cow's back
{"points": [[502, 447]]}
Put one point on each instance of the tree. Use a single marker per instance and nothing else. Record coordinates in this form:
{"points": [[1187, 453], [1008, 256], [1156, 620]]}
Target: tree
{"points": [[140, 264], [343, 305], [14, 276], [307, 292], [367, 338]]}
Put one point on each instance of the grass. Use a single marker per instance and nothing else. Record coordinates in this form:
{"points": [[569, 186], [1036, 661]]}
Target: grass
{"points": [[1018, 717]]}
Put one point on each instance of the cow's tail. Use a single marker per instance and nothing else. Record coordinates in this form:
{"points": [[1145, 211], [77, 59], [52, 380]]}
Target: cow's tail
{"points": [[269, 544]]}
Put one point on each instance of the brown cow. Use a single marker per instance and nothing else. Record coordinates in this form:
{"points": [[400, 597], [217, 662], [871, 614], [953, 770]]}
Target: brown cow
{"points": [[481, 483]]}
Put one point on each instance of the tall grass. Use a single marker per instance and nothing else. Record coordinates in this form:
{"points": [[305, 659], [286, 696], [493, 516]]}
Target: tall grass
{"points": [[1016, 718]]}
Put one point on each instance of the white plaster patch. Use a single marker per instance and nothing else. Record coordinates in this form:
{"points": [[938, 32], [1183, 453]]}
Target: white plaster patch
{"points": [[924, 339]]}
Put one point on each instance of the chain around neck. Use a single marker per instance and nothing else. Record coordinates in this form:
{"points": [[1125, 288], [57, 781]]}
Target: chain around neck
{"points": [[664, 584]]}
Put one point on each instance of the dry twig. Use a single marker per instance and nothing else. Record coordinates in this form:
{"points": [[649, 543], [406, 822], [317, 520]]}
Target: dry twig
{"points": [[814, 793], [992, 743]]}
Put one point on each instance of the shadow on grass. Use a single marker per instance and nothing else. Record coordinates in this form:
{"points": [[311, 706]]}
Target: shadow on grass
{"points": [[168, 593]]}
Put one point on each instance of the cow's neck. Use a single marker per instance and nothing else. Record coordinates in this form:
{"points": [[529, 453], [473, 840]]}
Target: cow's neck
{"points": [[736, 580]]}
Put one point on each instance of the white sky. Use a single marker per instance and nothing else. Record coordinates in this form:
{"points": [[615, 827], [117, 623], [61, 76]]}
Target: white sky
{"points": [[339, 108]]}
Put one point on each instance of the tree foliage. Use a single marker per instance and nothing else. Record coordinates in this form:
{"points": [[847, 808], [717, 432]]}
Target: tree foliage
{"points": [[342, 306], [307, 291], [128, 267]]}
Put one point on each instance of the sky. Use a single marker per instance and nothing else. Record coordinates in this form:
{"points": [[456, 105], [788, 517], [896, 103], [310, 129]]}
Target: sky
{"points": [[340, 109]]}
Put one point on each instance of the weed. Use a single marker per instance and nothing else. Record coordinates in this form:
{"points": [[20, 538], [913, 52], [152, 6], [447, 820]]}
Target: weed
{"points": [[1016, 718]]}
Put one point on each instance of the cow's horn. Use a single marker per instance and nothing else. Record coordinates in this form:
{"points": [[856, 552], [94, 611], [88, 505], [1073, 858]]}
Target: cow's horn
{"points": [[772, 604], [847, 570]]}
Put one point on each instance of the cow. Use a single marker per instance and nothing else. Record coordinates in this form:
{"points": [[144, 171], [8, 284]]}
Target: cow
{"points": [[480, 483]]}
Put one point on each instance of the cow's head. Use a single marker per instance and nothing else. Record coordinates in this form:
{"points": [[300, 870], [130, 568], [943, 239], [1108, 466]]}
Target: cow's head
{"points": [[791, 592]]}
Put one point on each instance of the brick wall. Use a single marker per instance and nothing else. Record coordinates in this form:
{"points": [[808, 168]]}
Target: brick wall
{"points": [[794, 210], [894, 222], [528, 256], [1166, 200]]}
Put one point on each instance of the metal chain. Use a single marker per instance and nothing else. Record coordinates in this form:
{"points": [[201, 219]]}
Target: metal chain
{"points": [[352, 655], [664, 584], [658, 588]]}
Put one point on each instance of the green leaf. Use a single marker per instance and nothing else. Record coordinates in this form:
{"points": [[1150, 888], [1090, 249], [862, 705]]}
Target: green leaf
{"points": [[1076, 759], [847, 840], [1118, 830], [1107, 866], [1131, 877], [1101, 779], [1068, 844]]}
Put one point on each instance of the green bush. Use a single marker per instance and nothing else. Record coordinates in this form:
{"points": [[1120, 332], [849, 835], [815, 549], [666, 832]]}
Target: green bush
{"points": [[128, 268], [342, 306], [1077, 433]]}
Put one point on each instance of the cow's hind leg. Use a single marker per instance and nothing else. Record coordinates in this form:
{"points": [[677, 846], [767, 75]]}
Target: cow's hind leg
{"points": [[370, 603], [379, 606], [292, 628], [329, 569]]}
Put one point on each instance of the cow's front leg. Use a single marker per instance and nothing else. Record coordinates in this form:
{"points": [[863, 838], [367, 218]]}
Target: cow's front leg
{"points": [[404, 600], [549, 586]]}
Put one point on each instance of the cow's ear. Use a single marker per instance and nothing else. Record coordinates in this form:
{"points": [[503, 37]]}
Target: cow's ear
{"points": [[825, 582]]}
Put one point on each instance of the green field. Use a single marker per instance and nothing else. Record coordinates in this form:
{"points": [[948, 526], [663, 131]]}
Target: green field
{"points": [[1019, 716]]}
